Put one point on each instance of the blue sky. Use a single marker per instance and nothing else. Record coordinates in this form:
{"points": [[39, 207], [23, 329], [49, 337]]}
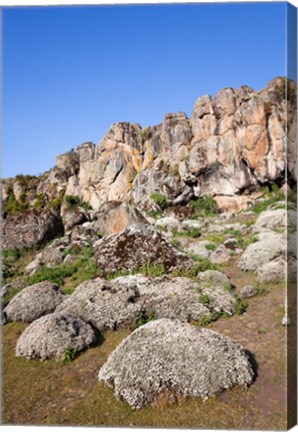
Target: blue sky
{"points": [[70, 72]]}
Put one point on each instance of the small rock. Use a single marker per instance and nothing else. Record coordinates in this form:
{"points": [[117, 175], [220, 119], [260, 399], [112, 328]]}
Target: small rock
{"points": [[248, 291], [220, 255]]}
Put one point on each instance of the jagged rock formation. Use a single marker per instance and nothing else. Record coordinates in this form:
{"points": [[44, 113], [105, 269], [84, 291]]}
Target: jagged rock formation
{"points": [[229, 147], [169, 356]]}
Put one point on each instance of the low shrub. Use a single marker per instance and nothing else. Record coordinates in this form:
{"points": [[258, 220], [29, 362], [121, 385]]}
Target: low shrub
{"points": [[160, 200]]}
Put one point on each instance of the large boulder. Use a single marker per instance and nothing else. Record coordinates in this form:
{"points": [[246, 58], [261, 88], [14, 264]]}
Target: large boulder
{"points": [[33, 302], [103, 304], [169, 356], [55, 336], [31, 228], [135, 246]]}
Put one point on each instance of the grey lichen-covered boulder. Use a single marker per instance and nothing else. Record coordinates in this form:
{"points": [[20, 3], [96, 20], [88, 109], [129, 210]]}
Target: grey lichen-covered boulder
{"points": [[270, 245], [135, 246], [33, 302], [53, 336], [180, 297], [220, 255], [166, 355], [248, 291], [276, 220], [103, 304], [31, 228], [217, 287]]}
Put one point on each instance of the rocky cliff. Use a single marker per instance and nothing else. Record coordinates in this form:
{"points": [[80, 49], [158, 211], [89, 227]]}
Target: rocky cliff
{"points": [[230, 147]]}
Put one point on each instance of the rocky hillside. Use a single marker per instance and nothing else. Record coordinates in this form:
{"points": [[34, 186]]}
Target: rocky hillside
{"points": [[230, 147]]}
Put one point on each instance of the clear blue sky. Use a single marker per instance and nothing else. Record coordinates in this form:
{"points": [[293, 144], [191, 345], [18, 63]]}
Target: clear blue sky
{"points": [[70, 72]]}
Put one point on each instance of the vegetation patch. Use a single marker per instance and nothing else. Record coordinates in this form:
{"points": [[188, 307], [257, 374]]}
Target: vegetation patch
{"points": [[204, 206], [75, 201], [160, 200]]}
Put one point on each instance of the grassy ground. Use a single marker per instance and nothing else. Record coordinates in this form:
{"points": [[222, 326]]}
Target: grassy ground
{"points": [[57, 393]]}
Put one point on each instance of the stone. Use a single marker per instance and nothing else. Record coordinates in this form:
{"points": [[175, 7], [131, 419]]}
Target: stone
{"points": [[220, 255], [104, 304], [31, 228], [33, 302], [169, 223], [273, 271], [269, 246], [117, 252], [55, 336], [167, 355], [248, 291], [73, 217], [275, 219]]}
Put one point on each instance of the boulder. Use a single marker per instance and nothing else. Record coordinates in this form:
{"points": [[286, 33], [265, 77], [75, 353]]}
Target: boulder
{"points": [[273, 271], [220, 255], [269, 246], [117, 252], [55, 336], [275, 220], [33, 302], [103, 304], [248, 291], [169, 356], [31, 228]]}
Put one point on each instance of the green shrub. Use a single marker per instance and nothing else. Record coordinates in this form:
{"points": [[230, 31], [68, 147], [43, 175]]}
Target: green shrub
{"points": [[69, 355], [211, 246], [207, 319], [204, 299], [192, 233], [206, 204], [12, 205], [143, 318], [75, 201], [160, 200], [240, 306], [56, 203], [41, 200], [146, 133], [202, 264], [155, 214]]}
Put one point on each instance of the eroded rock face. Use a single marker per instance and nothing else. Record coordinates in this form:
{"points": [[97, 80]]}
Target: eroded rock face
{"points": [[31, 228], [114, 216], [166, 355], [33, 302], [53, 336], [118, 252], [229, 148]]}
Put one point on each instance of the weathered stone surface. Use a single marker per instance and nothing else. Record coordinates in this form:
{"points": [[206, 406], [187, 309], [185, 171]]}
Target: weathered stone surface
{"points": [[220, 255], [167, 355], [248, 291], [113, 217], [273, 271], [229, 148], [31, 228], [276, 220], [118, 252], [73, 217], [103, 304], [33, 302], [53, 336], [270, 246]]}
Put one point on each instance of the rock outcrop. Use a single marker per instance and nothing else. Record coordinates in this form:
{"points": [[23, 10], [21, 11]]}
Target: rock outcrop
{"points": [[167, 356], [231, 146], [31, 228]]}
